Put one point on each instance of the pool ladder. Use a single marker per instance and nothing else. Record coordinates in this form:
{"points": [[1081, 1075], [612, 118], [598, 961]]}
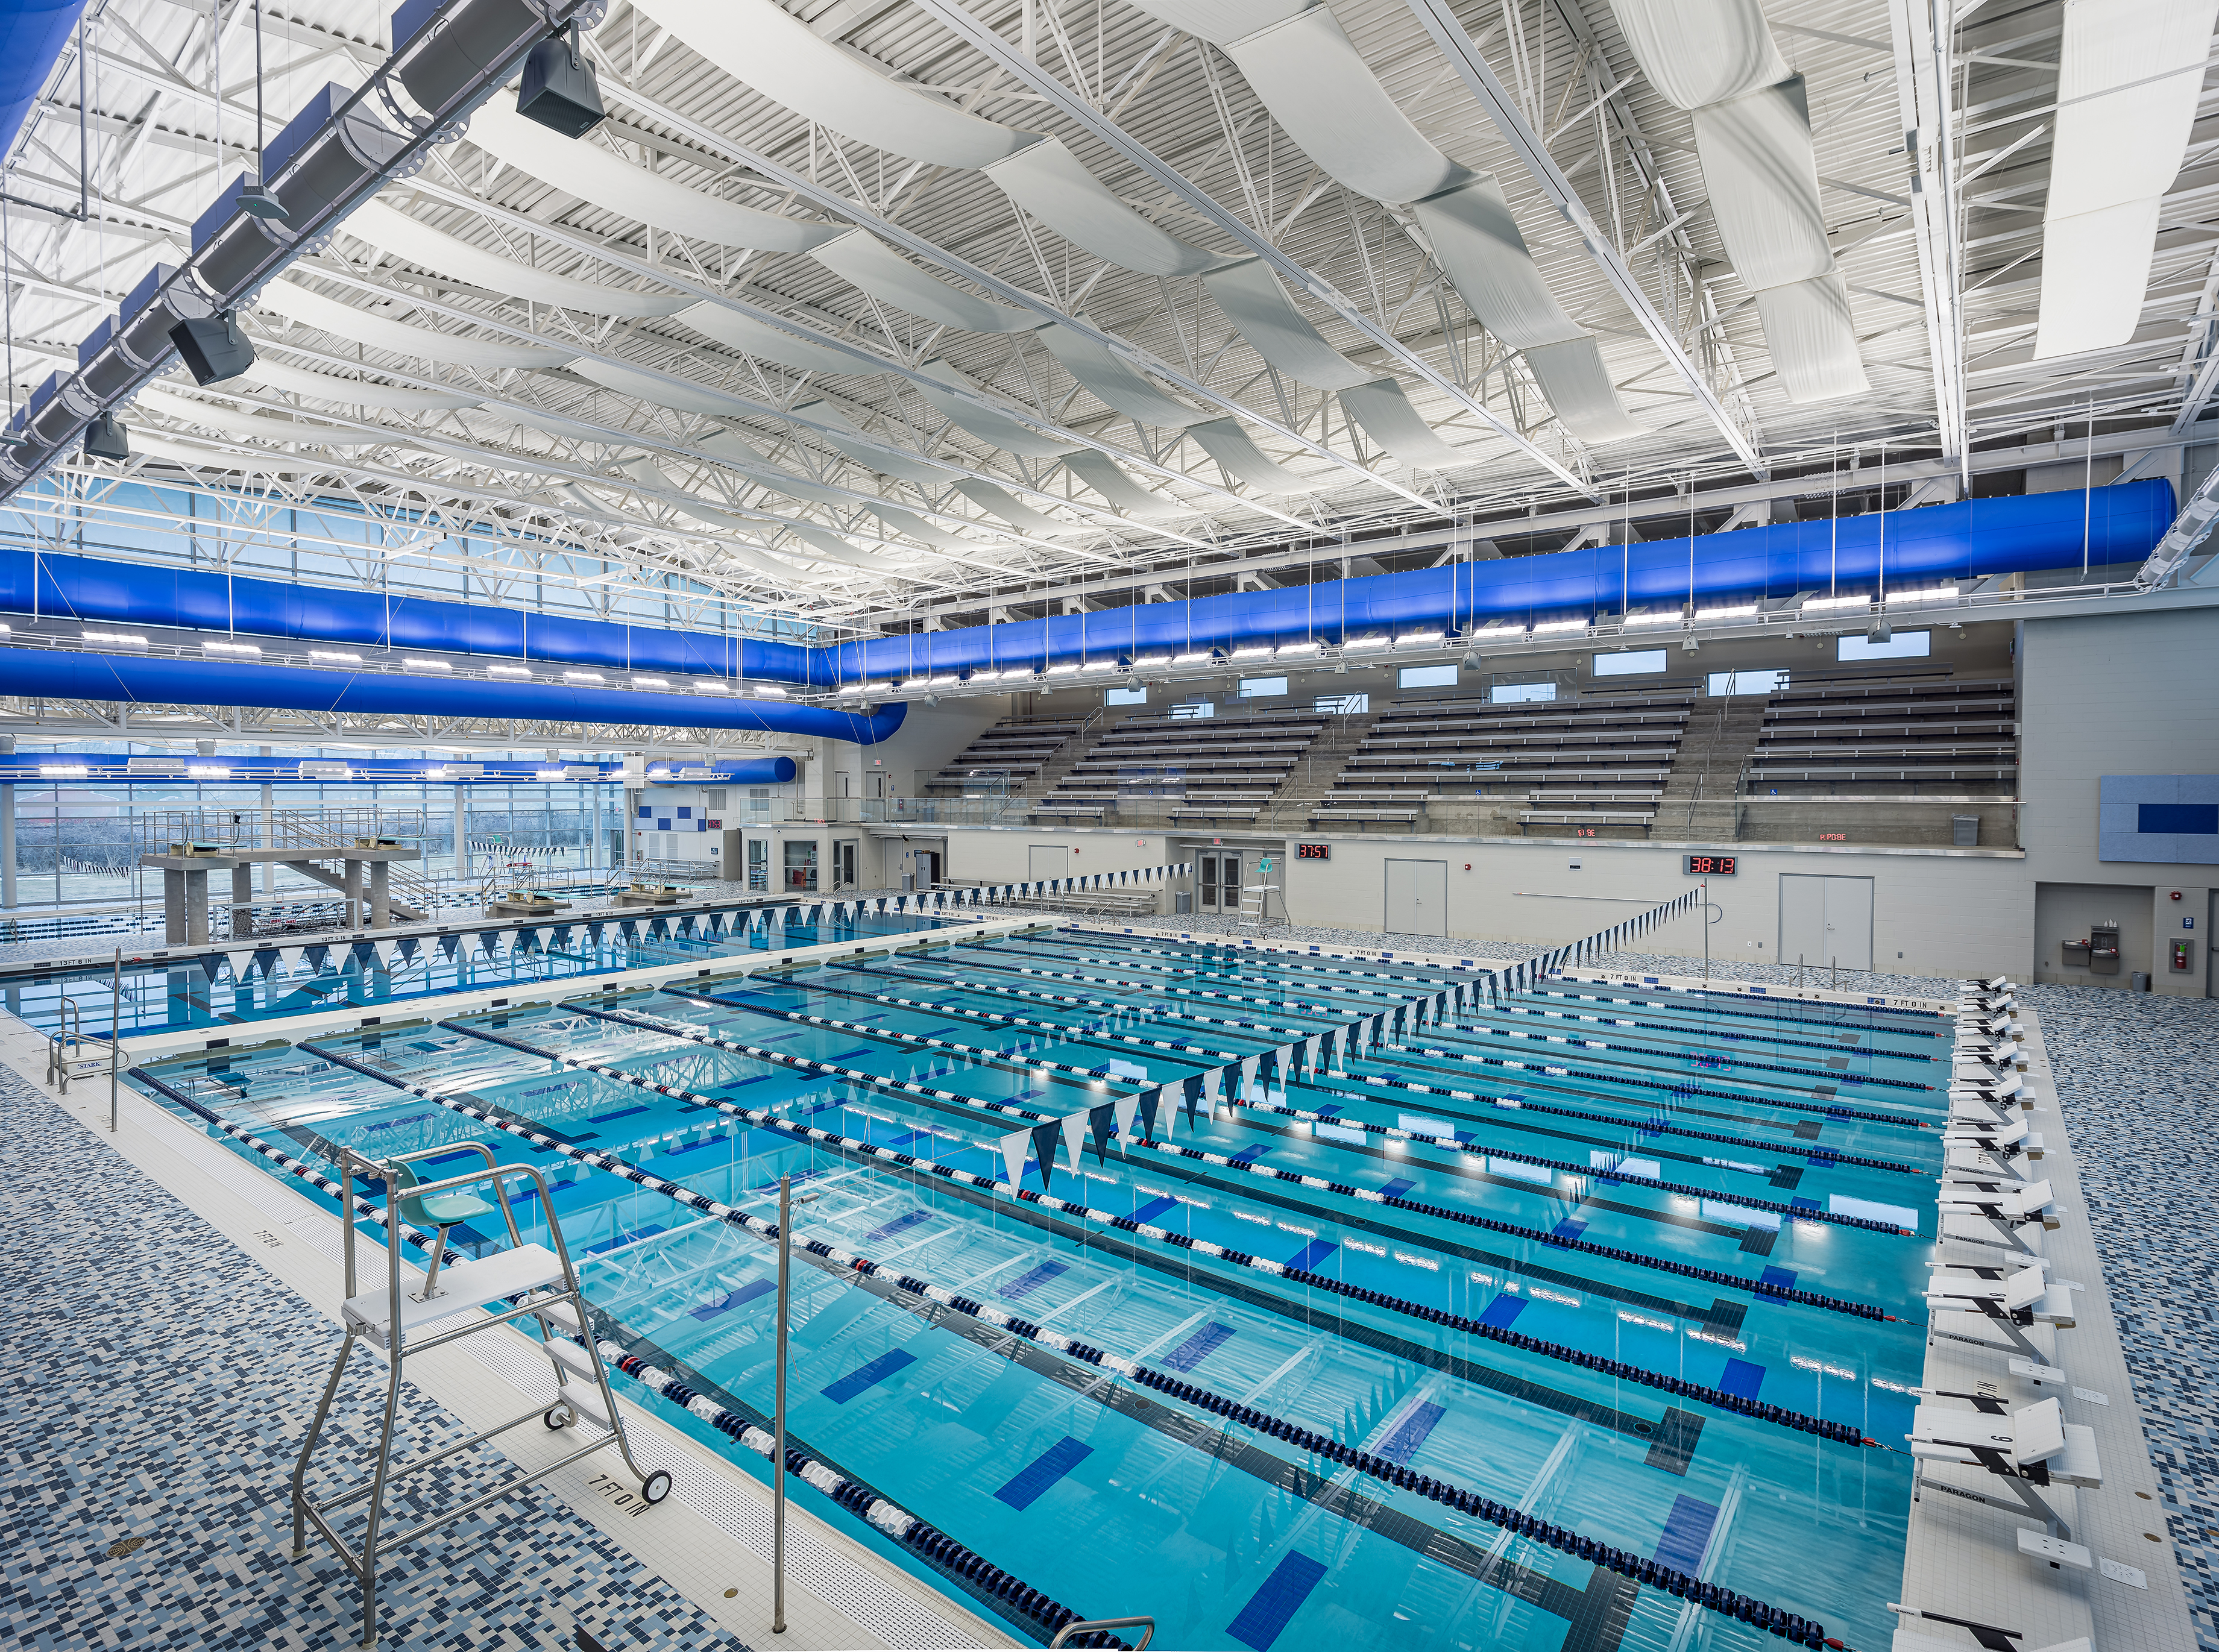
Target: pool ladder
{"points": [[524, 1282], [66, 1045]]}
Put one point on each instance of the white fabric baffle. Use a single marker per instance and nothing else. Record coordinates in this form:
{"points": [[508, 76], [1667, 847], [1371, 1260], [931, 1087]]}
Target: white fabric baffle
{"points": [[862, 453], [435, 250], [249, 426], [1388, 419], [733, 451], [1578, 384], [1308, 74], [868, 262], [1223, 21], [581, 167], [1753, 135], [1000, 501], [1699, 52], [762, 45], [665, 390], [1260, 312], [1763, 176], [1225, 441], [1102, 474], [1814, 340], [917, 528], [358, 393], [1049, 182], [345, 322], [1116, 381], [649, 479], [753, 338], [2130, 80], [954, 398]]}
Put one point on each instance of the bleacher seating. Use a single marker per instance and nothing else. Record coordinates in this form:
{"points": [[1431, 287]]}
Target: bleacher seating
{"points": [[1905, 733], [1200, 769], [1004, 757], [1586, 761]]}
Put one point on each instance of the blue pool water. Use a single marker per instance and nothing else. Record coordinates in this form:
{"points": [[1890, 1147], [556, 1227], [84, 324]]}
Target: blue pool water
{"points": [[1637, 1175]]}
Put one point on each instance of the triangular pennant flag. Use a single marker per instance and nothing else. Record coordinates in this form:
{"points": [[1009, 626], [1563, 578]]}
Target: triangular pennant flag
{"points": [[1248, 1077], [1044, 1140], [1074, 1137], [1104, 1122], [1013, 1156], [1310, 1048], [1126, 1108], [1192, 1093], [1148, 1101]]}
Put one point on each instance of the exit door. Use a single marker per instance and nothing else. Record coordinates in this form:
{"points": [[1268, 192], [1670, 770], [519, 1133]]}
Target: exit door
{"points": [[1418, 898], [844, 865], [1218, 888], [928, 868], [1826, 923]]}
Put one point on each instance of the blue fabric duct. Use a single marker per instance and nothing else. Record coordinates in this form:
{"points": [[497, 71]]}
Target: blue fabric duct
{"points": [[109, 769], [86, 588], [32, 35], [1934, 544], [1939, 542], [38, 673]]}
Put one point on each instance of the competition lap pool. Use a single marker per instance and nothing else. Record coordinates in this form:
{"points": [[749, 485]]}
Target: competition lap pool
{"points": [[1568, 1319]]}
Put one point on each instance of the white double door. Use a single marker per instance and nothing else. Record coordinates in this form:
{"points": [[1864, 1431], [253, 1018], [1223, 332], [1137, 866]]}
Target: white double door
{"points": [[1826, 923]]}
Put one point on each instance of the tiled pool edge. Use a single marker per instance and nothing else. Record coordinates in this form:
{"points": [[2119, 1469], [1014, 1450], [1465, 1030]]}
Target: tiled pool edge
{"points": [[1962, 1559], [476, 1383]]}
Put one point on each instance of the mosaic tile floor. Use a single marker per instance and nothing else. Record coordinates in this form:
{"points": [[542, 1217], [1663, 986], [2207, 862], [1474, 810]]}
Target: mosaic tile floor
{"points": [[144, 1462]]}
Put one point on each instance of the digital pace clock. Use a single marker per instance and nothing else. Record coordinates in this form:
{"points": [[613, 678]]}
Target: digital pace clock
{"points": [[1313, 851], [1710, 865]]}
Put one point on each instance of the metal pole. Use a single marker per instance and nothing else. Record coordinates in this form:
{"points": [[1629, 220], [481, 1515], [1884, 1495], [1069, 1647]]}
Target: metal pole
{"points": [[778, 1420], [1706, 888], [115, 1035], [8, 846]]}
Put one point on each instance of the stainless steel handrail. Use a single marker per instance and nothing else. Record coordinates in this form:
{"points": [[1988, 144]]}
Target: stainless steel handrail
{"points": [[1146, 1625]]}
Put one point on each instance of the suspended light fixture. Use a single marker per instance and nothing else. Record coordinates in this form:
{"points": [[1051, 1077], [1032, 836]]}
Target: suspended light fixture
{"points": [[559, 88], [1880, 633]]}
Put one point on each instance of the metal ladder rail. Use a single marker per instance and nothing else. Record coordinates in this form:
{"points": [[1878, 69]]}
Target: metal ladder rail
{"points": [[545, 1308], [65, 1044]]}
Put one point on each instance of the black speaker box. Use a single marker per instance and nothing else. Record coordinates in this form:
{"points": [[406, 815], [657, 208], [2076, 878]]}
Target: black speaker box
{"points": [[213, 348], [559, 89]]}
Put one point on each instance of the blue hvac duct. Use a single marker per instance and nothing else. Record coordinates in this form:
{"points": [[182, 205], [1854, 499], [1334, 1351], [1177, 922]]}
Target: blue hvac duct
{"points": [[87, 588], [32, 35], [36, 674], [46, 767], [1963, 540]]}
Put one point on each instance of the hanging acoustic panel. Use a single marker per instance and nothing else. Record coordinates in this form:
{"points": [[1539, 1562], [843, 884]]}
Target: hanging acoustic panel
{"points": [[1116, 381], [1225, 441], [989, 425], [1385, 413], [860, 450], [1572, 376], [1050, 183], [358, 393], [1762, 178], [889, 278], [1813, 338], [1699, 52], [999, 501], [582, 168], [1260, 312], [443, 254], [1102, 474], [749, 336], [313, 309], [1477, 241]]}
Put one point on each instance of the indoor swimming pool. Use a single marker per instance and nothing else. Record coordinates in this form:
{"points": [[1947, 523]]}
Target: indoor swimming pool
{"points": [[250, 982], [1569, 1318]]}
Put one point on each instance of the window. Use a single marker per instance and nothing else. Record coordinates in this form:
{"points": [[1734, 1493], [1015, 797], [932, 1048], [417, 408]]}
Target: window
{"points": [[1426, 677], [1520, 694], [1637, 663], [1262, 687], [1747, 682], [801, 865], [1342, 705], [1137, 696], [1195, 708], [1904, 645]]}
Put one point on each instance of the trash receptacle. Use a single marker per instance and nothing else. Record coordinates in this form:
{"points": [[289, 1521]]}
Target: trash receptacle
{"points": [[2140, 980], [1965, 831], [1184, 900]]}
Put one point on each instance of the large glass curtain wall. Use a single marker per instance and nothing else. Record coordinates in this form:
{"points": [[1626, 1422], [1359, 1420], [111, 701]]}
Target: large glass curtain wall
{"points": [[79, 844]]}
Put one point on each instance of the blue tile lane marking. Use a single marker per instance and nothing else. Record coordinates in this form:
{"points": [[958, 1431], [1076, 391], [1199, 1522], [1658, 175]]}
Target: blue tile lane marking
{"points": [[1026, 1485], [1570, 1228], [1197, 1348], [733, 1299], [1154, 1208], [1778, 1278], [609, 1118], [1270, 1608], [648, 1232], [1687, 1533], [868, 1376], [900, 1224], [1742, 1378], [1311, 1254], [1503, 1311], [1398, 1187], [1030, 1281], [1410, 1433]]}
